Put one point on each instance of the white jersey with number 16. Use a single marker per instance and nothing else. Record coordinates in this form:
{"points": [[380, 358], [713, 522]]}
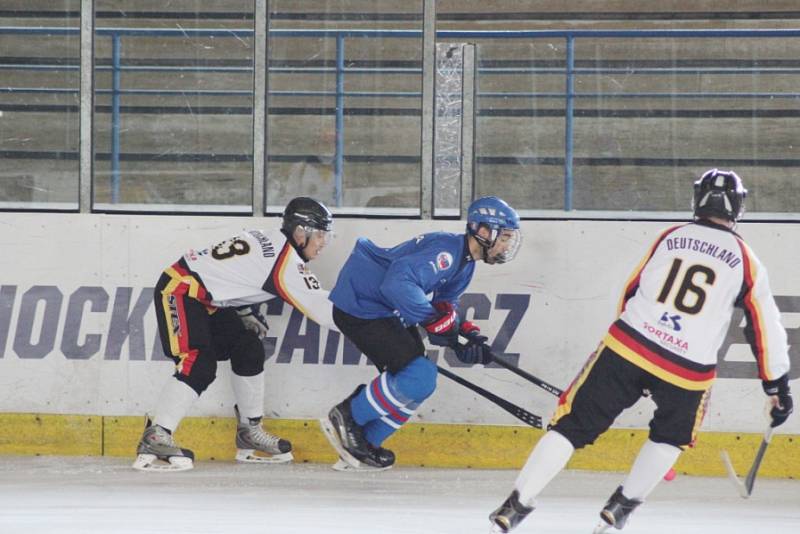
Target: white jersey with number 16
{"points": [[677, 306]]}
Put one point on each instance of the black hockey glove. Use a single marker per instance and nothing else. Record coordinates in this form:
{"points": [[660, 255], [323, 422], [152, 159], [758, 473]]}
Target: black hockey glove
{"points": [[779, 388], [475, 350], [443, 328], [254, 318]]}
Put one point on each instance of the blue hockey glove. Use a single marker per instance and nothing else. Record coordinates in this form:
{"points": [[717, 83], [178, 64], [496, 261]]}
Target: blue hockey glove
{"points": [[254, 318], [783, 408]]}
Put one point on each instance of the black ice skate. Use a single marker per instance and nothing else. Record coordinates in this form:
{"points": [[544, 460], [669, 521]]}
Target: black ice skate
{"points": [[347, 437], [256, 445], [157, 451], [509, 514], [616, 512], [382, 456]]}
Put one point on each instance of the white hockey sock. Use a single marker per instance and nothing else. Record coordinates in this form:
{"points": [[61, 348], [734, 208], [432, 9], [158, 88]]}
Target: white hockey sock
{"points": [[173, 404], [548, 459], [652, 463], [249, 394]]}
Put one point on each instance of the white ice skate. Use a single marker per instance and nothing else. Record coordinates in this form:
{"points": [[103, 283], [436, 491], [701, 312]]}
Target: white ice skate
{"points": [[157, 451], [255, 445]]}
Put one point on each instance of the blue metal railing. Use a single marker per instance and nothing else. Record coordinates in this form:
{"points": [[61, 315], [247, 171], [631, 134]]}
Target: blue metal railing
{"points": [[569, 95], [338, 168], [569, 112], [116, 53]]}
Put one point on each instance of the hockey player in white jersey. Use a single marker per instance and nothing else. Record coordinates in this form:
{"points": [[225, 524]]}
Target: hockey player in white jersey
{"points": [[673, 317], [210, 307]]}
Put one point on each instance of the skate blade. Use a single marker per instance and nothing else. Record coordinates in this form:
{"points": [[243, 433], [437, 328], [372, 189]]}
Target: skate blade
{"points": [[342, 466], [500, 526], [249, 456], [333, 439], [150, 462], [601, 527]]}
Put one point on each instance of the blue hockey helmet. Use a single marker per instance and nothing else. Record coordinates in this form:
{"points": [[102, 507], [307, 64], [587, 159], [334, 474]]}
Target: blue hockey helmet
{"points": [[504, 238], [719, 194]]}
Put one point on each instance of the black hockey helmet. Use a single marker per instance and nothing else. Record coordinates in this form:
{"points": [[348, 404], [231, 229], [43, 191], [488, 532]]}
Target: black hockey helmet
{"points": [[308, 213], [719, 194]]}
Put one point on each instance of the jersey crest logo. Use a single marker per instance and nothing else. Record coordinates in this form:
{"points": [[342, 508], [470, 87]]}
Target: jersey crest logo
{"points": [[443, 261]]}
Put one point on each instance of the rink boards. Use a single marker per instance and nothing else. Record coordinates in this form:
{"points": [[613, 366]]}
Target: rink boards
{"points": [[80, 361]]}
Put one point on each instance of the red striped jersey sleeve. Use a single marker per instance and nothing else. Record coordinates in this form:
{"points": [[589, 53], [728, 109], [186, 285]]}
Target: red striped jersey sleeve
{"points": [[764, 331]]}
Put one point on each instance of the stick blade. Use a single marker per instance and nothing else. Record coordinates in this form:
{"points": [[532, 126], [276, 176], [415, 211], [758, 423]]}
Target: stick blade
{"points": [[750, 479], [726, 459]]}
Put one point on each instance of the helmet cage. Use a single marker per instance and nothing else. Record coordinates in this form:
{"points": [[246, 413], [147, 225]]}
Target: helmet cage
{"points": [[511, 238]]}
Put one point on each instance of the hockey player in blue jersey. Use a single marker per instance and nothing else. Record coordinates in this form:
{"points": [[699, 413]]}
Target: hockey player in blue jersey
{"points": [[380, 297]]}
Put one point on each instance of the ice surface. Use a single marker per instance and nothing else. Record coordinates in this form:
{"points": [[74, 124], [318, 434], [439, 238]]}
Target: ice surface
{"points": [[41, 495]]}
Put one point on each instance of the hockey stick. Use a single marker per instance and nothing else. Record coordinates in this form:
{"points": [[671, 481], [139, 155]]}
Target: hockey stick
{"points": [[746, 488], [520, 413], [527, 376]]}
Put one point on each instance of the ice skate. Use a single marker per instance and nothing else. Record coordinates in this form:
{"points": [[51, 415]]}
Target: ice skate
{"points": [[616, 512], [383, 456], [157, 451], [347, 437], [255, 445], [509, 514]]}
